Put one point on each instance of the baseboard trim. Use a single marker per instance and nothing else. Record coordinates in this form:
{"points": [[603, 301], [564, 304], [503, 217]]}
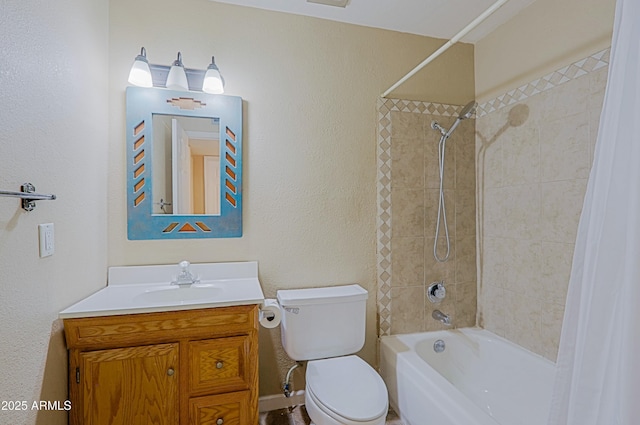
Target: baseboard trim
{"points": [[279, 401]]}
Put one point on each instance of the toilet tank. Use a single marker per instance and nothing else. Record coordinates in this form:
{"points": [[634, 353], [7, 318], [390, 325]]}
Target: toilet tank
{"points": [[325, 322]]}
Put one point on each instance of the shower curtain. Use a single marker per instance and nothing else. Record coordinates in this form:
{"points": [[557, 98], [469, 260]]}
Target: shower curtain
{"points": [[598, 369]]}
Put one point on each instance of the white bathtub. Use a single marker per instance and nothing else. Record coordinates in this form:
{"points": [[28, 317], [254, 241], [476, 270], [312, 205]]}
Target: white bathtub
{"points": [[479, 379]]}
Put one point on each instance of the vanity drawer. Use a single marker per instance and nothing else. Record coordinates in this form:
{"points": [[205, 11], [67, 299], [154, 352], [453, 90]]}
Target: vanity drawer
{"points": [[220, 365], [223, 409], [136, 329]]}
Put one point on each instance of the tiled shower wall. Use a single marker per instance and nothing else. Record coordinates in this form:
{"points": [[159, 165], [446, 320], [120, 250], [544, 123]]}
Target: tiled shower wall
{"points": [[533, 153], [534, 149], [408, 183]]}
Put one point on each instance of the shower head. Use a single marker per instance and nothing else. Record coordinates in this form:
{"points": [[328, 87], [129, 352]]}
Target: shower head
{"points": [[468, 110]]}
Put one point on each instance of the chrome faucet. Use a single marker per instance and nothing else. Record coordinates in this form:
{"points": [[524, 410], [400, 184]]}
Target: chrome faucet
{"points": [[441, 317], [185, 277]]}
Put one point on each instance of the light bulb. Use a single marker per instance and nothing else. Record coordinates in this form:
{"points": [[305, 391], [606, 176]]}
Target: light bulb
{"points": [[213, 82], [140, 74], [177, 79]]}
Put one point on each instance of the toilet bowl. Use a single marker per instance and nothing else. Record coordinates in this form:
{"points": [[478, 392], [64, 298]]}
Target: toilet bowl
{"points": [[326, 326], [345, 391]]}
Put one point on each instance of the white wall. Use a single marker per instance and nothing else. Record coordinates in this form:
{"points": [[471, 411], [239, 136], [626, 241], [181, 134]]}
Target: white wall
{"points": [[53, 118]]}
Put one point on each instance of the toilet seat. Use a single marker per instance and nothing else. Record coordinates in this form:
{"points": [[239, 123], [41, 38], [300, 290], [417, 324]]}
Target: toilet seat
{"points": [[320, 415], [347, 389]]}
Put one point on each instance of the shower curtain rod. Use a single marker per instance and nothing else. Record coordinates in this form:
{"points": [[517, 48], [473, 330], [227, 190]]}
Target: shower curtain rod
{"points": [[484, 15]]}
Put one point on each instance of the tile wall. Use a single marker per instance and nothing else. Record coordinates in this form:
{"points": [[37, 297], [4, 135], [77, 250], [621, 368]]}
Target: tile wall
{"points": [[533, 152], [534, 149], [408, 183]]}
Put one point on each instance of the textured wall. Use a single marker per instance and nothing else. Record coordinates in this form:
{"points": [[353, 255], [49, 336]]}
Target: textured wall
{"points": [[533, 160], [54, 118], [309, 88], [542, 38]]}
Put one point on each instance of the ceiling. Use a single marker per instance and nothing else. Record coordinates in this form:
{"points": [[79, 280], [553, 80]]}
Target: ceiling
{"points": [[433, 18]]}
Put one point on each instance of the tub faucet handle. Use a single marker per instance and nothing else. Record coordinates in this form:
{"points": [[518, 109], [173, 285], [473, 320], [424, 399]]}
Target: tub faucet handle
{"points": [[436, 292]]}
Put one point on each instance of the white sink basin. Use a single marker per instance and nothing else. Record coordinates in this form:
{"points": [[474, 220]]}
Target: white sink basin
{"points": [[147, 289], [174, 293]]}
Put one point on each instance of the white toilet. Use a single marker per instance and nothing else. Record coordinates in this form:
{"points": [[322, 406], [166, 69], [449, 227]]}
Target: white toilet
{"points": [[325, 326]]}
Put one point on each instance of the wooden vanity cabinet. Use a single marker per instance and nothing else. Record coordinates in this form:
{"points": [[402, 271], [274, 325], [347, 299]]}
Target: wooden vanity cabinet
{"points": [[189, 367]]}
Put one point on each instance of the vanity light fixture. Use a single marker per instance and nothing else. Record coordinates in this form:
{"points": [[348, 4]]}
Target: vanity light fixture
{"points": [[140, 74], [213, 82], [176, 77]]}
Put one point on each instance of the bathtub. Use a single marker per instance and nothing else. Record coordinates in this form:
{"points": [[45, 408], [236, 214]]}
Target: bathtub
{"points": [[479, 379]]}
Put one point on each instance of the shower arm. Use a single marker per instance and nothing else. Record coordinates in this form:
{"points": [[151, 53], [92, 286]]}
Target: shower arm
{"points": [[484, 15]]}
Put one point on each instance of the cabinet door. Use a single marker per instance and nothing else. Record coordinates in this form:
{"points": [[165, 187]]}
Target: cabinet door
{"points": [[130, 386]]}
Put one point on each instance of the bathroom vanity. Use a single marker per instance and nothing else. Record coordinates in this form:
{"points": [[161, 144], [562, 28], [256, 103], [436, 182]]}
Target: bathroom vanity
{"points": [[188, 362]]}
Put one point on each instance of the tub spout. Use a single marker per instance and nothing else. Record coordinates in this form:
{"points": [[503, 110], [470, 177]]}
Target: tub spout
{"points": [[441, 317]]}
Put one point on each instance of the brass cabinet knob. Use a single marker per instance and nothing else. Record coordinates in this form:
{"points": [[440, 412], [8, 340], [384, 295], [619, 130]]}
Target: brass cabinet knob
{"points": [[220, 421], [170, 372], [219, 365]]}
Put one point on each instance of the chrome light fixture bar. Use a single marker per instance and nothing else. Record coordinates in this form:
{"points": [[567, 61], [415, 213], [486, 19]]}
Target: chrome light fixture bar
{"points": [[176, 76]]}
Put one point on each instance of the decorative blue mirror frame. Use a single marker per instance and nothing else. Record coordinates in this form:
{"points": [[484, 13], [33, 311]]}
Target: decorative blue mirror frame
{"points": [[142, 104]]}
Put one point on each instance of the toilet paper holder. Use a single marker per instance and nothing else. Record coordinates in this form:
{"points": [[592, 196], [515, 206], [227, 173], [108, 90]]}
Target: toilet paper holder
{"points": [[270, 314]]}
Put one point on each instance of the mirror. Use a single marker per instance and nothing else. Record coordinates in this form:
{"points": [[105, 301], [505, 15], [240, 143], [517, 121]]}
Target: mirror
{"points": [[184, 164]]}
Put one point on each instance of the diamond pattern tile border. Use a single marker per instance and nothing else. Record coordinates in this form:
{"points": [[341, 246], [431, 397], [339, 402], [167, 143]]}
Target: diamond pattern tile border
{"points": [[549, 81], [383, 221]]}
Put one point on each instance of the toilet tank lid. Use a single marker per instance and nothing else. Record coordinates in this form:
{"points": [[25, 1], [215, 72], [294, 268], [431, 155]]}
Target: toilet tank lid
{"points": [[329, 294]]}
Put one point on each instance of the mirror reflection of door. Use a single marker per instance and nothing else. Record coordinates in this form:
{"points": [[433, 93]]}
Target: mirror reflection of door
{"points": [[211, 186], [181, 169], [205, 173], [190, 149]]}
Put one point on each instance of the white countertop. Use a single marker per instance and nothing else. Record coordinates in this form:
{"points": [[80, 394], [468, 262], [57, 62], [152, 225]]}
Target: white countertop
{"points": [[147, 289]]}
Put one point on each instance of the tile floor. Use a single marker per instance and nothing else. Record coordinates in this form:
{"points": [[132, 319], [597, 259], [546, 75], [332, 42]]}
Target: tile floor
{"points": [[298, 416]]}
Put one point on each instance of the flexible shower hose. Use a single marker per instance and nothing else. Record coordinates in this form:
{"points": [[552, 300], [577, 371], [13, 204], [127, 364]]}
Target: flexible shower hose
{"points": [[442, 214]]}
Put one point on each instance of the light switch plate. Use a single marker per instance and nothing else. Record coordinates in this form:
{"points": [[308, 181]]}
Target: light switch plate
{"points": [[47, 241]]}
